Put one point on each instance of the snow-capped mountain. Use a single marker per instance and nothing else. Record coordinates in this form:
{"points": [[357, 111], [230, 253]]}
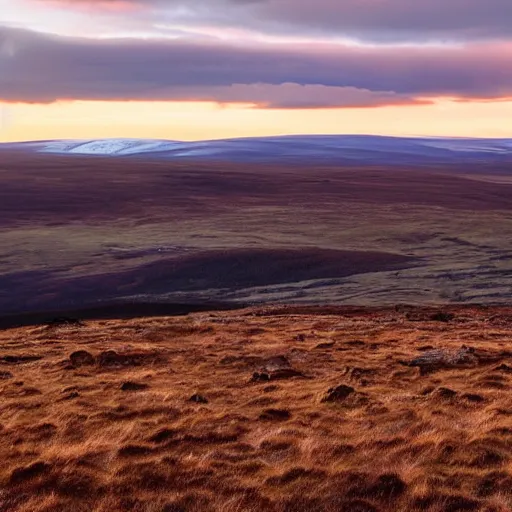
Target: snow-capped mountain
{"points": [[293, 148]]}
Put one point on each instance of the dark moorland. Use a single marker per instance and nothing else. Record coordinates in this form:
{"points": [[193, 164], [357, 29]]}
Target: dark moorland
{"points": [[79, 232]]}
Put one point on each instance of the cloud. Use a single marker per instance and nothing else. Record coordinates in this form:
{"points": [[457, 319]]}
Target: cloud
{"points": [[48, 68], [372, 20], [99, 5], [293, 96], [7, 45]]}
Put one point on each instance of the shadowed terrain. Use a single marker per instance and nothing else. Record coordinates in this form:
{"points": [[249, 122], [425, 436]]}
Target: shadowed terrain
{"points": [[79, 232], [277, 409], [195, 273]]}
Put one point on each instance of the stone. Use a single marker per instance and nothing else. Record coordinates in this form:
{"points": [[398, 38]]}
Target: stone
{"points": [[338, 393], [82, 358]]}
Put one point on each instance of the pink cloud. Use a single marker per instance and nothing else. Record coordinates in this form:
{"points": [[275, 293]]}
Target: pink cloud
{"points": [[377, 20]]}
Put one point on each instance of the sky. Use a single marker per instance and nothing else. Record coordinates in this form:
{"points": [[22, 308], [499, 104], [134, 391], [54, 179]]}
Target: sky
{"points": [[207, 69]]}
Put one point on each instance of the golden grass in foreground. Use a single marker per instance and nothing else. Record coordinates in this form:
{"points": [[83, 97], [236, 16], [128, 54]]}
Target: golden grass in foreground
{"points": [[120, 433]]}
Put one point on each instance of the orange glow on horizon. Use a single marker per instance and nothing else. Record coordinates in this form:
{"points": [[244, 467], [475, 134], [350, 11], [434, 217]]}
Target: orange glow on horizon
{"points": [[196, 121]]}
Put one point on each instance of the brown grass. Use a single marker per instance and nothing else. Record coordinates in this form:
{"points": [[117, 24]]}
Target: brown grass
{"points": [[174, 420]]}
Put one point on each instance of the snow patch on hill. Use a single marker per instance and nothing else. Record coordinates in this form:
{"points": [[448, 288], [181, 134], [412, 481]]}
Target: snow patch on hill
{"points": [[356, 148]]}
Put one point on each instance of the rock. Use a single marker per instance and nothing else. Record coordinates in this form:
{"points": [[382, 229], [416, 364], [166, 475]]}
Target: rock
{"points": [[162, 436], [133, 386], [358, 373], [112, 359], [34, 470], [473, 397], [325, 345], [275, 415], [64, 321], [71, 396], [276, 363], [19, 359], [355, 343], [294, 474], [504, 368], [31, 391], [446, 393], [276, 368], [260, 377], [442, 316], [229, 359], [433, 360], [6, 375], [173, 507], [134, 450], [300, 337], [198, 399], [338, 394], [285, 373], [425, 316], [388, 486], [82, 358]]}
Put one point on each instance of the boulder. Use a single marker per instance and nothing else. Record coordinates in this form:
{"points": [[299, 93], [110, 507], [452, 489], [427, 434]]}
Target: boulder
{"points": [[198, 399], [82, 358], [338, 393], [133, 386]]}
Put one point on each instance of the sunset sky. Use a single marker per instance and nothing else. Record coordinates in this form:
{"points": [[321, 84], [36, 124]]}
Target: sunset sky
{"points": [[197, 69]]}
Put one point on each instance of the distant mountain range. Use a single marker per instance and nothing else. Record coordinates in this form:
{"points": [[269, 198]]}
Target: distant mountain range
{"points": [[363, 149]]}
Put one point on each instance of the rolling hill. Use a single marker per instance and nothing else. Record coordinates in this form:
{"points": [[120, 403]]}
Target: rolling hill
{"points": [[295, 148]]}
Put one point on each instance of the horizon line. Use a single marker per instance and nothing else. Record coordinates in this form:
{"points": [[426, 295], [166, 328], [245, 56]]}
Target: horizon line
{"points": [[275, 136]]}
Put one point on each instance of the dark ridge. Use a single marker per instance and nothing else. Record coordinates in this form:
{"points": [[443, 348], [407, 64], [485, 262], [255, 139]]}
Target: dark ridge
{"points": [[114, 312], [355, 310]]}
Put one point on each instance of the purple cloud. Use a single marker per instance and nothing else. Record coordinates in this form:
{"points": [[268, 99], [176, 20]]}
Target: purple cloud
{"points": [[42, 68]]}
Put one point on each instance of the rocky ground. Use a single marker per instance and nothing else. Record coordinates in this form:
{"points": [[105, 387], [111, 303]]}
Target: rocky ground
{"points": [[267, 409]]}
